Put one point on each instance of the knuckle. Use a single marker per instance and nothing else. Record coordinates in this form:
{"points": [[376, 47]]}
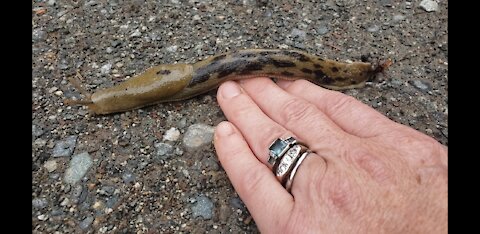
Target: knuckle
{"points": [[375, 168], [343, 102], [295, 110]]}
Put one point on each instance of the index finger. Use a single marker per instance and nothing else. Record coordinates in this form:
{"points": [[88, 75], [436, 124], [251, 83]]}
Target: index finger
{"points": [[347, 112]]}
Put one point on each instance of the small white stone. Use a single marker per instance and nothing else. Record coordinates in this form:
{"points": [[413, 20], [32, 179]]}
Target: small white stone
{"points": [[42, 217], [59, 93], [50, 165], [171, 134], [429, 5]]}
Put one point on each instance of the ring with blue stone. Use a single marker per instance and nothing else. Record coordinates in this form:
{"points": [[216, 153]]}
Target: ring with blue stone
{"points": [[278, 148]]}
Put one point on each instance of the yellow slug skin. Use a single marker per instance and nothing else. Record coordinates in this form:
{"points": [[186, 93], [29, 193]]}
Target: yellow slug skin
{"points": [[165, 83], [148, 88]]}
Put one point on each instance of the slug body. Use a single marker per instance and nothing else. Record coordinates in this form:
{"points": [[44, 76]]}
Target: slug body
{"points": [[165, 83]]}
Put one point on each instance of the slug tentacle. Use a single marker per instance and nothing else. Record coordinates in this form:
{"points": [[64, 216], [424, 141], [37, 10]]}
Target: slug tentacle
{"points": [[165, 83]]}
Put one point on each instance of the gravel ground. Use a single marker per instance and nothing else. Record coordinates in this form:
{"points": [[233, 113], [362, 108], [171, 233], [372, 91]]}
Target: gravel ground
{"points": [[155, 169]]}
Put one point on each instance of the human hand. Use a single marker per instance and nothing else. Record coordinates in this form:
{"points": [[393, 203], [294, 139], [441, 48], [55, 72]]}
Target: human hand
{"points": [[367, 174]]}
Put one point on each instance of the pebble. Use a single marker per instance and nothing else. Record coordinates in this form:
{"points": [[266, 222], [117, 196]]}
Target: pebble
{"points": [[421, 85], [203, 207], [386, 3], [171, 134], [137, 33], [42, 217], [85, 224], [65, 147], [322, 29], [39, 203], [198, 135], [39, 142], [106, 190], [36, 131], [38, 35], [236, 203], [429, 5], [298, 33], [398, 18], [196, 17], [79, 166], [164, 150], [373, 28], [105, 69], [50, 165], [172, 49], [109, 50], [51, 2], [128, 177]]}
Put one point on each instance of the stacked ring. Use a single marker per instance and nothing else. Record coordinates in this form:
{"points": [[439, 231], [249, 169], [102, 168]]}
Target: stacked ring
{"points": [[285, 156]]}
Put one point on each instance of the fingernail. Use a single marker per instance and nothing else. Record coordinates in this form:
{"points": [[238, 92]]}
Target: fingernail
{"points": [[224, 129], [230, 90]]}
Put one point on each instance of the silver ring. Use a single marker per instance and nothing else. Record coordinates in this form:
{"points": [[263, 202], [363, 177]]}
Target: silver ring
{"points": [[288, 161], [278, 148], [288, 184]]}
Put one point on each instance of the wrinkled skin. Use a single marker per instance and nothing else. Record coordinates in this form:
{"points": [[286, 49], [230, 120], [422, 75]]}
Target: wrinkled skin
{"points": [[368, 174]]}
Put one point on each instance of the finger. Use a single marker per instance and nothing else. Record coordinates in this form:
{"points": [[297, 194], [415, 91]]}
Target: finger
{"points": [[299, 116], [264, 197], [257, 128], [350, 114]]}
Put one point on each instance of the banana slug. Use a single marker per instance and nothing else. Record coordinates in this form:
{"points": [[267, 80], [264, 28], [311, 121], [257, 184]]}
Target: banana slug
{"points": [[174, 82]]}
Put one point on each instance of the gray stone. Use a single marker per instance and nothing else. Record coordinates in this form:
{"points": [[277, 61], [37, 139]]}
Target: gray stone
{"points": [[36, 131], [164, 149], [398, 18], [386, 3], [39, 203], [322, 29], [85, 224], [128, 177], [65, 148], [203, 207], [172, 48], [38, 35], [198, 135], [105, 69], [298, 33], [429, 5], [79, 166], [373, 28], [421, 85], [137, 33]]}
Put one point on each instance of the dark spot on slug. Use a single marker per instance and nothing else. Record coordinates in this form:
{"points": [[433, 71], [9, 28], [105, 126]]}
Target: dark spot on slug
{"points": [[220, 57], [316, 65], [163, 72], [264, 53], [199, 78], [226, 70], [306, 70], [326, 80], [319, 74], [287, 73], [334, 69], [353, 81], [297, 55], [251, 66], [283, 63], [320, 59], [245, 54]]}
